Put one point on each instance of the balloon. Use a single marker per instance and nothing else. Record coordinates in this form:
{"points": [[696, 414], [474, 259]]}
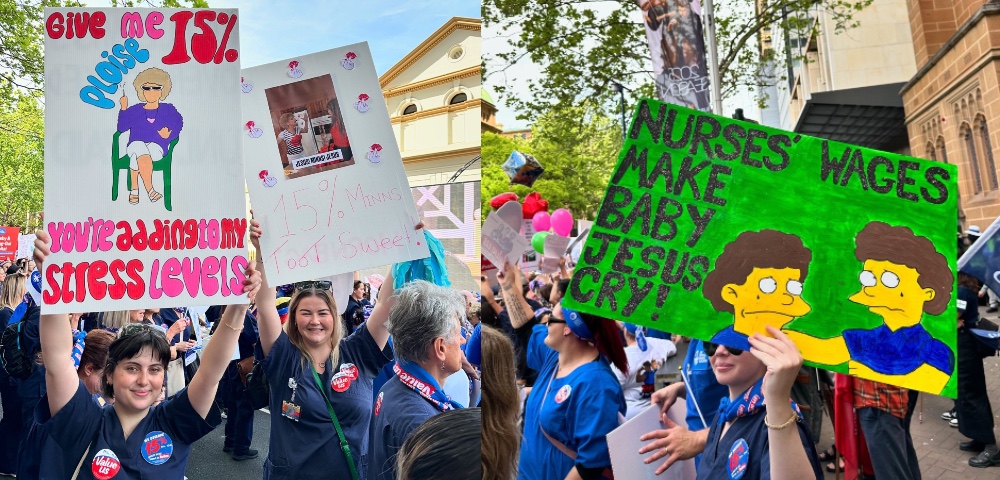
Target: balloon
{"points": [[541, 222], [562, 222], [538, 241], [498, 201], [533, 203], [522, 168]]}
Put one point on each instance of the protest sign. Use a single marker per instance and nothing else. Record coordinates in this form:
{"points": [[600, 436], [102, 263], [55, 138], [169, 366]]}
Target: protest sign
{"points": [[9, 243], [323, 169], [143, 194], [714, 228], [25, 245], [502, 239]]}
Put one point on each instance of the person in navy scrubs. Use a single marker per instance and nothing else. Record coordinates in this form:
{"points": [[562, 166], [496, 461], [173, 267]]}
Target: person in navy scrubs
{"points": [[308, 362], [131, 439], [758, 431], [576, 400], [426, 328]]}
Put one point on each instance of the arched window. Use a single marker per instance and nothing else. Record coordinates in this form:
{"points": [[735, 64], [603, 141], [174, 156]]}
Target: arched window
{"points": [[970, 150], [991, 168], [941, 150], [411, 108], [461, 97], [930, 151]]}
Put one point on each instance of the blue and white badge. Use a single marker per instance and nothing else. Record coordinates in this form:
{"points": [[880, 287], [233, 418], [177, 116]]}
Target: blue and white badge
{"points": [[157, 448], [739, 457]]}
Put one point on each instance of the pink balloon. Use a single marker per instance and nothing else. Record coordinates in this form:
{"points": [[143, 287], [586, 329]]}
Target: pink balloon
{"points": [[541, 222], [562, 222]]}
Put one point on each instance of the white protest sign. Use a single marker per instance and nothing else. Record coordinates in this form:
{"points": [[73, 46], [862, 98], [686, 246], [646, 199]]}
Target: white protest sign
{"points": [[555, 249], [502, 240], [144, 197], [25, 245], [624, 443], [325, 175]]}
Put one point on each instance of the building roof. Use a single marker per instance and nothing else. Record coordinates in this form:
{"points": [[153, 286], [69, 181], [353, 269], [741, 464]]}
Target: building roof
{"points": [[486, 97], [455, 23]]}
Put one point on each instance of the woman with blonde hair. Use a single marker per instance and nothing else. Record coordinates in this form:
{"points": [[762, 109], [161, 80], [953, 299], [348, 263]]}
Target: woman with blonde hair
{"points": [[13, 291], [501, 406], [11, 421], [152, 127]]}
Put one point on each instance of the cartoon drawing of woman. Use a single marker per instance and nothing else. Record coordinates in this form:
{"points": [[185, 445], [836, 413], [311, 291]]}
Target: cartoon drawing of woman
{"points": [[151, 125]]}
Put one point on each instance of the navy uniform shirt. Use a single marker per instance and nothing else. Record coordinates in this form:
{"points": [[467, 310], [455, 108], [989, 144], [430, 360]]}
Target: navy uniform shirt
{"points": [[310, 447], [157, 448], [578, 410], [399, 410], [744, 453]]}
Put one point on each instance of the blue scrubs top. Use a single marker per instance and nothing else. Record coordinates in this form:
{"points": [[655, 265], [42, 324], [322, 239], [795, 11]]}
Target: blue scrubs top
{"points": [[398, 412], [157, 448], [899, 352], [579, 411], [310, 447], [744, 453]]}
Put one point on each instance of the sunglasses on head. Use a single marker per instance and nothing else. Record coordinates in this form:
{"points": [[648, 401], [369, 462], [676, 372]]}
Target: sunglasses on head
{"points": [[711, 348], [151, 87], [318, 285], [138, 328]]}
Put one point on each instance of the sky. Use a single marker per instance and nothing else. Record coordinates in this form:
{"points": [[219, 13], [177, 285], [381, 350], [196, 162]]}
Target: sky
{"points": [[276, 30]]}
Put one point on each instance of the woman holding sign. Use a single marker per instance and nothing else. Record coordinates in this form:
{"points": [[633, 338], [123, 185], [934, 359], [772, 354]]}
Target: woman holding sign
{"points": [[132, 439], [321, 382], [577, 399]]}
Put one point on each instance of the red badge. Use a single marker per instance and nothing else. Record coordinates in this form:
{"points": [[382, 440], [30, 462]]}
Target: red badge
{"points": [[105, 465], [563, 393], [378, 404], [350, 369], [341, 382]]}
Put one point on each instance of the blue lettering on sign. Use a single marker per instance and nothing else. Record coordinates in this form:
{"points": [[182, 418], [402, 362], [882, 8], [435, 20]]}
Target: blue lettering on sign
{"points": [[112, 71]]}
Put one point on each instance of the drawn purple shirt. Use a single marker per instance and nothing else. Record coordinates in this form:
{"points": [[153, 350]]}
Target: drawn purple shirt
{"points": [[144, 124]]}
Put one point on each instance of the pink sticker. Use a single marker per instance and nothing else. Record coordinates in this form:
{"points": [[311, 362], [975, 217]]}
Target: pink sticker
{"points": [[293, 69], [362, 103], [348, 61], [373, 155], [253, 130]]}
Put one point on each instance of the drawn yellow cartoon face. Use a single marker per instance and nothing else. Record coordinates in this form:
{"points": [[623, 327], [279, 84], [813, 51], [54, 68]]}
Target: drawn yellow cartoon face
{"points": [[891, 291], [770, 296]]}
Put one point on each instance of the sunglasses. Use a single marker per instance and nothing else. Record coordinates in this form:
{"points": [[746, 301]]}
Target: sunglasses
{"points": [[318, 285], [711, 348], [138, 328], [151, 87]]}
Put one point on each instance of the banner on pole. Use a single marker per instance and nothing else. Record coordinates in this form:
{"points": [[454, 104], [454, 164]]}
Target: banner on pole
{"points": [[714, 228], [9, 242], [144, 196], [677, 46]]}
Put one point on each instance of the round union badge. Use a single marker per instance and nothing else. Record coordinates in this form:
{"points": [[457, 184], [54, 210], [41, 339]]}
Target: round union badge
{"points": [[378, 403], [157, 448], [105, 465], [563, 393], [341, 382], [739, 457], [350, 369]]}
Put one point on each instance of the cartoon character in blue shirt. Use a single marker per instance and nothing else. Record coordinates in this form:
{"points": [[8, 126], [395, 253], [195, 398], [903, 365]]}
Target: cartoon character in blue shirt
{"points": [[758, 278], [903, 276]]}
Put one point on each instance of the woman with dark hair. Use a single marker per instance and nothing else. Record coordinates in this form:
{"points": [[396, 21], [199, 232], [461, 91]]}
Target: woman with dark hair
{"points": [[76, 430], [501, 404], [354, 314], [973, 410], [566, 422], [338, 131], [445, 447]]}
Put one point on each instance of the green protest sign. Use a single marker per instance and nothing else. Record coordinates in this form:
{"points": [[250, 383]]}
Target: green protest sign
{"points": [[713, 228]]}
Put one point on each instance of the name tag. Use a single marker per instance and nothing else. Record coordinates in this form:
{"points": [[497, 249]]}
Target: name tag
{"points": [[961, 304]]}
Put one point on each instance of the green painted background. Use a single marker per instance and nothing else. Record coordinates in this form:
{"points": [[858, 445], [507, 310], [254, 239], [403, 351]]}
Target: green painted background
{"points": [[794, 200]]}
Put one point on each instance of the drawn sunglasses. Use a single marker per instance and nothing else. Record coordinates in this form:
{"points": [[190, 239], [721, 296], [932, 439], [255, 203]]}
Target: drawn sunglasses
{"points": [[151, 87], [711, 348]]}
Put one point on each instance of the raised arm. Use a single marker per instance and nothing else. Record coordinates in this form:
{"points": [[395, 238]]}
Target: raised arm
{"points": [[513, 296], [380, 314], [215, 359], [56, 338], [268, 321]]}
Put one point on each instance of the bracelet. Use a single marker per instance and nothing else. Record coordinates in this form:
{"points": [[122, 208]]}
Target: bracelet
{"points": [[240, 329], [783, 426]]}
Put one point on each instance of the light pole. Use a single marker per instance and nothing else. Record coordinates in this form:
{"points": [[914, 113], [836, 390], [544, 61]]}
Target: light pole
{"points": [[618, 87]]}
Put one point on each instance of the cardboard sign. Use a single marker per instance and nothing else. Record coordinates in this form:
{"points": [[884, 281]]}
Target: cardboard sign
{"points": [[9, 243], [25, 245], [714, 228], [143, 194], [323, 169], [502, 240]]}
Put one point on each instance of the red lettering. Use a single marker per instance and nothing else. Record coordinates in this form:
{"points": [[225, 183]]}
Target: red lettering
{"points": [[140, 237], [50, 277], [97, 24], [81, 281], [54, 25], [227, 233], [177, 234], [156, 239], [67, 271], [240, 225], [132, 269], [117, 289], [95, 276], [124, 242], [191, 233]]}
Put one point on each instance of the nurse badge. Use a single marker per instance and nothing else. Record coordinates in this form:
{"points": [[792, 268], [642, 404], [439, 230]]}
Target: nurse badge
{"points": [[563, 393], [739, 457], [157, 448], [105, 465]]}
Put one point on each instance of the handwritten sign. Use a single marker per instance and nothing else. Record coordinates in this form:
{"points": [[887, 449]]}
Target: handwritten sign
{"points": [[143, 193], [325, 176], [8, 242], [25, 245], [714, 228], [502, 239]]}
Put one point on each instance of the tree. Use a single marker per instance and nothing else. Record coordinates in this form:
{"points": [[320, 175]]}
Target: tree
{"points": [[580, 50], [578, 147]]}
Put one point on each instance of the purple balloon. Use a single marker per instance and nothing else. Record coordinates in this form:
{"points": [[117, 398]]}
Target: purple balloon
{"points": [[541, 222], [562, 222]]}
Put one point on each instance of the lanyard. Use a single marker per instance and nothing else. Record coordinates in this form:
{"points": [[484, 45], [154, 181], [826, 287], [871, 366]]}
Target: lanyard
{"points": [[340, 433], [421, 382]]}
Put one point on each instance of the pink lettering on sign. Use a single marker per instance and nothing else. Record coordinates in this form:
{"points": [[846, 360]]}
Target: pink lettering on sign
{"points": [[95, 235]]}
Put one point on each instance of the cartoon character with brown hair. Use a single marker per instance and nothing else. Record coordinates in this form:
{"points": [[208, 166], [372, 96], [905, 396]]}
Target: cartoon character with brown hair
{"points": [[903, 276], [758, 278]]}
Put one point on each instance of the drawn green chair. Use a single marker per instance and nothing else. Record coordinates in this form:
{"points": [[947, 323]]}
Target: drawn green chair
{"points": [[120, 162]]}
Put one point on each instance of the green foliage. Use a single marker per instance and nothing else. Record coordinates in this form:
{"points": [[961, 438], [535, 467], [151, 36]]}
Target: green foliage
{"points": [[578, 147], [21, 163], [580, 50]]}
